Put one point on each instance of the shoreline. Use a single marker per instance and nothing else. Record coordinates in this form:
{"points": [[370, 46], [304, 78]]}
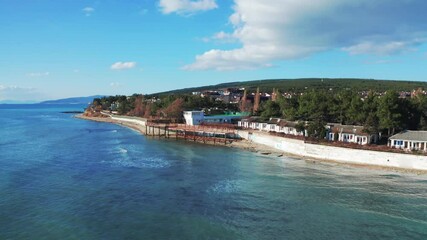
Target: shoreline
{"points": [[133, 126], [262, 149], [241, 144]]}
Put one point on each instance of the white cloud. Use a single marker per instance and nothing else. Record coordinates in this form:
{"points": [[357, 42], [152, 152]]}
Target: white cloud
{"points": [[88, 11], [123, 65], [186, 6], [38, 74], [221, 37], [382, 48], [379, 61], [14, 87], [18, 94], [115, 85], [289, 29]]}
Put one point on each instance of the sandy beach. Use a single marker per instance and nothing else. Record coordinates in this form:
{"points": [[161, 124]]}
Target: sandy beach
{"points": [[133, 126]]}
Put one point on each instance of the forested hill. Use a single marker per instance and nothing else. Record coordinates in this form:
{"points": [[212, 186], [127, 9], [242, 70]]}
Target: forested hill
{"points": [[75, 100], [304, 84]]}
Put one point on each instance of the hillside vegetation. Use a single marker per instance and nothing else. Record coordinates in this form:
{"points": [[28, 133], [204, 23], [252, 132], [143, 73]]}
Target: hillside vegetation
{"points": [[378, 106], [304, 84]]}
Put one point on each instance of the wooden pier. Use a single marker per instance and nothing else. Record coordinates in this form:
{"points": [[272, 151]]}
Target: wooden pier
{"points": [[207, 134]]}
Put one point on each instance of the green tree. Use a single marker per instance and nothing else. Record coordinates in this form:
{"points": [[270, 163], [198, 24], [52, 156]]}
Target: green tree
{"points": [[96, 101], [419, 111], [389, 112], [270, 109], [354, 113], [423, 123], [289, 108], [174, 110], [300, 126], [340, 106], [316, 129], [315, 106], [371, 125], [124, 105]]}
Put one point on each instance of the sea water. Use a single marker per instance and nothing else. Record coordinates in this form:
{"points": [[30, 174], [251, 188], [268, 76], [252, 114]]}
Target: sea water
{"points": [[66, 178]]}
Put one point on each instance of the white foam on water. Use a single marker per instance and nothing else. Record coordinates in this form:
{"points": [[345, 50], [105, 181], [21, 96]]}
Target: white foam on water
{"points": [[130, 157], [224, 186], [49, 117], [155, 162], [152, 162], [123, 150]]}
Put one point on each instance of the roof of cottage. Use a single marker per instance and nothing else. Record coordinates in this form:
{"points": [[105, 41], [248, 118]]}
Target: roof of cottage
{"points": [[280, 122], [274, 120], [252, 119], [411, 136], [285, 123], [358, 130]]}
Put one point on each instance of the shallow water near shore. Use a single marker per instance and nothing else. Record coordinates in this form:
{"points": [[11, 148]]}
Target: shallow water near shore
{"points": [[67, 178]]}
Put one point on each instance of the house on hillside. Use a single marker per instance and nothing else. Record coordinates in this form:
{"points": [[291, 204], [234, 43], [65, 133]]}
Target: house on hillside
{"points": [[211, 94], [349, 134], [410, 140]]}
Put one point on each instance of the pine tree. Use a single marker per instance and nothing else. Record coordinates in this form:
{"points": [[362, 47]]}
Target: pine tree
{"points": [[389, 112], [256, 101]]}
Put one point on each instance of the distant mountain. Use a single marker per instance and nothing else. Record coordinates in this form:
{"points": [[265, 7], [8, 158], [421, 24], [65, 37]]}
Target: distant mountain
{"points": [[16, 102], [74, 100], [304, 84]]}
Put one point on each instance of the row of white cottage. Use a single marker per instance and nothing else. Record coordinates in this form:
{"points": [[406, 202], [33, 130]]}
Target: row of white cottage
{"points": [[335, 132], [410, 140], [274, 125]]}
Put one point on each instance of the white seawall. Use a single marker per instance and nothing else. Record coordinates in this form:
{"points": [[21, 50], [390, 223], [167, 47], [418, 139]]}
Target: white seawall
{"points": [[346, 155], [139, 121]]}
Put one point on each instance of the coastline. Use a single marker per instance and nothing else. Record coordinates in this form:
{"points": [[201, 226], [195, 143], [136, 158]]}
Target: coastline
{"points": [[241, 144], [264, 149], [133, 126]]}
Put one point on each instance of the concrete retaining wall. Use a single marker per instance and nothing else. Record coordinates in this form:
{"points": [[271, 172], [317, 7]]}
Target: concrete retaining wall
{"points": [[139, 121], [348, 155]]}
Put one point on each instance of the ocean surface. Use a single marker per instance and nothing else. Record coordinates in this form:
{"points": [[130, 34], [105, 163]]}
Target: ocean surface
{"points": [[66, 178]]}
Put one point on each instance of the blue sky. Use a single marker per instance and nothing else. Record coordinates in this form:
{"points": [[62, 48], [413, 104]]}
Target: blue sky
{"points": [[54, 49]]}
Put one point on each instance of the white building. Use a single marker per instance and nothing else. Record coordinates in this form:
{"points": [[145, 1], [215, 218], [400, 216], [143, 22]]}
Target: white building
{"points": [[273, 125], [198, 117], [410, 140], [193, 117], [350, 134]]}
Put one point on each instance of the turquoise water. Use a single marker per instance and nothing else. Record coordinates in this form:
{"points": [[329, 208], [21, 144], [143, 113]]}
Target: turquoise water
{"points": [[65, 178]]}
